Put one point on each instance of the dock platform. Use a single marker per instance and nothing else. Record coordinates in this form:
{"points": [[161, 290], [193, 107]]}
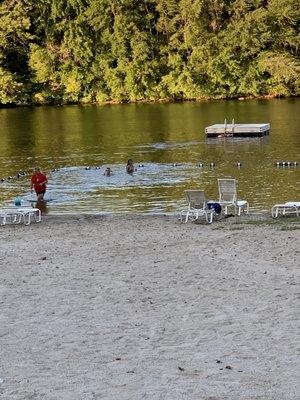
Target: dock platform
{"points": [[237, 130]]}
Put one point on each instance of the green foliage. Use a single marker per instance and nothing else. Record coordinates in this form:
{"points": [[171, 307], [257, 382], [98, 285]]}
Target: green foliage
{"points": [[62, 51], [283, 73], [9, 88]]}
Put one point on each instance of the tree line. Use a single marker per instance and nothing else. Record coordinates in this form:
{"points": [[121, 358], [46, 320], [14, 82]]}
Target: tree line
{"points": [[82, 51]]}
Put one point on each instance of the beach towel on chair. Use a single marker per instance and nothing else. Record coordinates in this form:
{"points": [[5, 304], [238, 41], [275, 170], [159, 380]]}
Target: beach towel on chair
{"points": [[217, 207]]}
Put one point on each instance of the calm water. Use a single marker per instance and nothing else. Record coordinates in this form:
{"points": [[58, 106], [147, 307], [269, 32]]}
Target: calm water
{"points": [[157, 136]]}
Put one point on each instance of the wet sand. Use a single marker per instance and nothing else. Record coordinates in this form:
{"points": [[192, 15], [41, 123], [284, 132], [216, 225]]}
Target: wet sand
{"points": [[125, 308]]}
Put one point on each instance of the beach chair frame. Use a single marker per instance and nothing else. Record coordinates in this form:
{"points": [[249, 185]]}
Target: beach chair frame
{"points": [[228, 196], [13, 215], [289, 207], [197, 206], [16, 216], [28, 213]]}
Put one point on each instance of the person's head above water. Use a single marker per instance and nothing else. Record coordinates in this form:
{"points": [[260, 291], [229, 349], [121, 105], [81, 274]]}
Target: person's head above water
{"points": [[130, 167], [108, 171]]}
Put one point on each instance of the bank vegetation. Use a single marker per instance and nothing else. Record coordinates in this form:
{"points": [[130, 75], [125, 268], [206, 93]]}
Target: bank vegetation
{"points": [[84, 51]]}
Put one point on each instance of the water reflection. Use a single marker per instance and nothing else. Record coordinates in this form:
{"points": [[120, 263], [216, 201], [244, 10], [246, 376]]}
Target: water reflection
{"points": [[158, 136], [41, 205]]}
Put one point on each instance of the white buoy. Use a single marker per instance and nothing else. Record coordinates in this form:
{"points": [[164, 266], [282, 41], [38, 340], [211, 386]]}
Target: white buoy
{"points": [[200, 165], [212, 164], [238, 164], [295, 163]]}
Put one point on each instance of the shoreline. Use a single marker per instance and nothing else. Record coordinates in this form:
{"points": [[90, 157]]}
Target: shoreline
{"points": [[139, 307], [259, 218], [158, 101]]}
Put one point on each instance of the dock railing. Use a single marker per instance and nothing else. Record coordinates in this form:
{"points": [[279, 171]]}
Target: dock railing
{"points": [[228, 131]]}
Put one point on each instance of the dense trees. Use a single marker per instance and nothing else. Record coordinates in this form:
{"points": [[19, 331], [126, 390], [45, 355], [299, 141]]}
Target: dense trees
{"points": [[57, 51]]}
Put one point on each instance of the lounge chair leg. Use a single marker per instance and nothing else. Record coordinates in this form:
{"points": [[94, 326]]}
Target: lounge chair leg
{"points": [[28, 220], [16, 219], [37, 216], [187, 217]]}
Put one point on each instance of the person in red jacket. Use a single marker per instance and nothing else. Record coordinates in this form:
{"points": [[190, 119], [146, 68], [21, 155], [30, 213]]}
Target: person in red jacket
{"points": [[38, 183]]}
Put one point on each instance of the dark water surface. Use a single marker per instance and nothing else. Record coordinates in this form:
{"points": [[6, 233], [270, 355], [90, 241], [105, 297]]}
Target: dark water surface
{"points": [[156, 135]]}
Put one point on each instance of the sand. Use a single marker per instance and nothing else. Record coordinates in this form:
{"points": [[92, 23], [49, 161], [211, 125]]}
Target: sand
{"points": [[125, 308]]}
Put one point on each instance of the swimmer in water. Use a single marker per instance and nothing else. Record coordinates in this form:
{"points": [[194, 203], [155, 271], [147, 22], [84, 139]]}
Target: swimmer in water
{"points": [[108, 172], [130, 167]]}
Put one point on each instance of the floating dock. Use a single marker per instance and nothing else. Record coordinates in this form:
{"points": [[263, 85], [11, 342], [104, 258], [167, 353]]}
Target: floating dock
{"points": [[237, 130]]}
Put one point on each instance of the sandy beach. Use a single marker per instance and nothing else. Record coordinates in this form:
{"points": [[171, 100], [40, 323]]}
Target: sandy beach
{"points": [[132, 308]]}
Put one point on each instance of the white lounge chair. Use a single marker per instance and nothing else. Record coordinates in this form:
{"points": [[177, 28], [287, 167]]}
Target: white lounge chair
{"points": [[29, 212], [12, 214], [197, 206], [289, 207], [17, 215], [228, 196]]}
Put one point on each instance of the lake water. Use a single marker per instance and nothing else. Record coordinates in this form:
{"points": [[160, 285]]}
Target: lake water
{"points": [[70, 138]]}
